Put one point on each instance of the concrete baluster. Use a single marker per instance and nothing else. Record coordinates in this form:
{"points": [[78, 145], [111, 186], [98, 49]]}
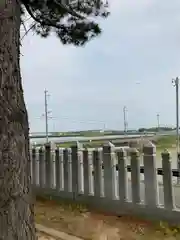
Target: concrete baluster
{"points": [[135, 176], [122, 175], [101, 172], [91, 172], [108, 175], [49, 167], [114, 173], [86, 172], [150, 176], [57, 168], [167, 181], [75, 171], [66, 170], [42, 177], [97, 174], [34, 166], [70, 170], [80, 172]]}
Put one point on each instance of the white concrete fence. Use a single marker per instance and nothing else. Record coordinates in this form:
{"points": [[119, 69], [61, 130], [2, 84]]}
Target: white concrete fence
{"points": [[106, 180]]}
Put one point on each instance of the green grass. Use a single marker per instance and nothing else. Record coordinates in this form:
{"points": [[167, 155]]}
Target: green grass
{"points": [[166, 142], [161, 143], [86, 144], [66, 144]]}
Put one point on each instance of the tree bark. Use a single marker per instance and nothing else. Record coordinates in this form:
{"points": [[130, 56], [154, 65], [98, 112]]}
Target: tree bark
{"points": [[16, 208]]}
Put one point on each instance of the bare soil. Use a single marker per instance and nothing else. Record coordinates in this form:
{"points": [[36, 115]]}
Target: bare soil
{"points": [[44, 237], [78, 221]]}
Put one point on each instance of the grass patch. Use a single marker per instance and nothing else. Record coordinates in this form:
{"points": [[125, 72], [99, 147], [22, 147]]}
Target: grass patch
{"points": [[66, 204], [66, 144], [86, 144], [166, 142]]}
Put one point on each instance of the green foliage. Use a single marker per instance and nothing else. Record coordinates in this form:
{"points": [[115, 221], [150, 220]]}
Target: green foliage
{"points": [[155, 129], [73, 23]]}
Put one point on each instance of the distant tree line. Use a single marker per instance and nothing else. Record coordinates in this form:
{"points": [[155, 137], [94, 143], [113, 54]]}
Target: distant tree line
{"points": [[156, 129]]}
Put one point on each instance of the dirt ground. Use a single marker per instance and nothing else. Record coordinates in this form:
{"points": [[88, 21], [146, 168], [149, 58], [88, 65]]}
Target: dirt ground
{"points": [[76, 220], [43, 237]]}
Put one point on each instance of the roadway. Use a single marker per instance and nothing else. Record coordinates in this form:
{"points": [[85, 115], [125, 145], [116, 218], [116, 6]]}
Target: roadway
{"points": [[86, 139], [79, 136], [120, 138]]}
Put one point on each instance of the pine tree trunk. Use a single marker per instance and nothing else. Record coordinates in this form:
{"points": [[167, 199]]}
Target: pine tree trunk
{"points": [[16, 208]]}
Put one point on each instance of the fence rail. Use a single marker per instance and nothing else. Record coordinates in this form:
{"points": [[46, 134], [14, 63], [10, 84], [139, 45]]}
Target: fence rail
{"points": [[104, 180], [175, 172]]}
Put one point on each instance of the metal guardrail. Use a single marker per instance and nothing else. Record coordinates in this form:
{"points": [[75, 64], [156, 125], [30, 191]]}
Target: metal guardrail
{"points": [[175, 172]]}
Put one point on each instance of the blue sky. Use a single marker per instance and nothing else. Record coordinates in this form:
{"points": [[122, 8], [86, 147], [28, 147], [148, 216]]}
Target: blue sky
{"points": [[131, 63]]}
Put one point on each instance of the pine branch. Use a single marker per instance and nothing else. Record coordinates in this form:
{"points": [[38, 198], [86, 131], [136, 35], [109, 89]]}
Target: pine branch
{"points": [[70, 23]]}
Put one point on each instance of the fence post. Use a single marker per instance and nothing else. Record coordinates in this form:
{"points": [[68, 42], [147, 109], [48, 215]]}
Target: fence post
{"points": [[49, 167], [66, 170], [122, 175], [178, 178], [114, 173], [101, 172], [86, 172], [57, 168], [167, 181], [34, 166], [42, 173], [135, 176], [90, 170], [102, 178], [97, 174], [80, 172], [108, 178], [61, 169], [75, 172], [150, 176], [53, 162]]}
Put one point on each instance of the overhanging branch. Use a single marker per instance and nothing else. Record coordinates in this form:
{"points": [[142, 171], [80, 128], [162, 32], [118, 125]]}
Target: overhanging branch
{"points": [[43, 22], [49, 22], [69, 10]]}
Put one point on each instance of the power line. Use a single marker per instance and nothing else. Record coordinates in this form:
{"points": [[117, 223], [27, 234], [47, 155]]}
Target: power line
{"points": [[100, 123]]}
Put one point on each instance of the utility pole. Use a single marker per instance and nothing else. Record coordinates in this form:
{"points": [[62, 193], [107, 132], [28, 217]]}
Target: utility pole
{"points": [[175, 83], [46, 114], [158, 125], [104, 127], [125, 119]]}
